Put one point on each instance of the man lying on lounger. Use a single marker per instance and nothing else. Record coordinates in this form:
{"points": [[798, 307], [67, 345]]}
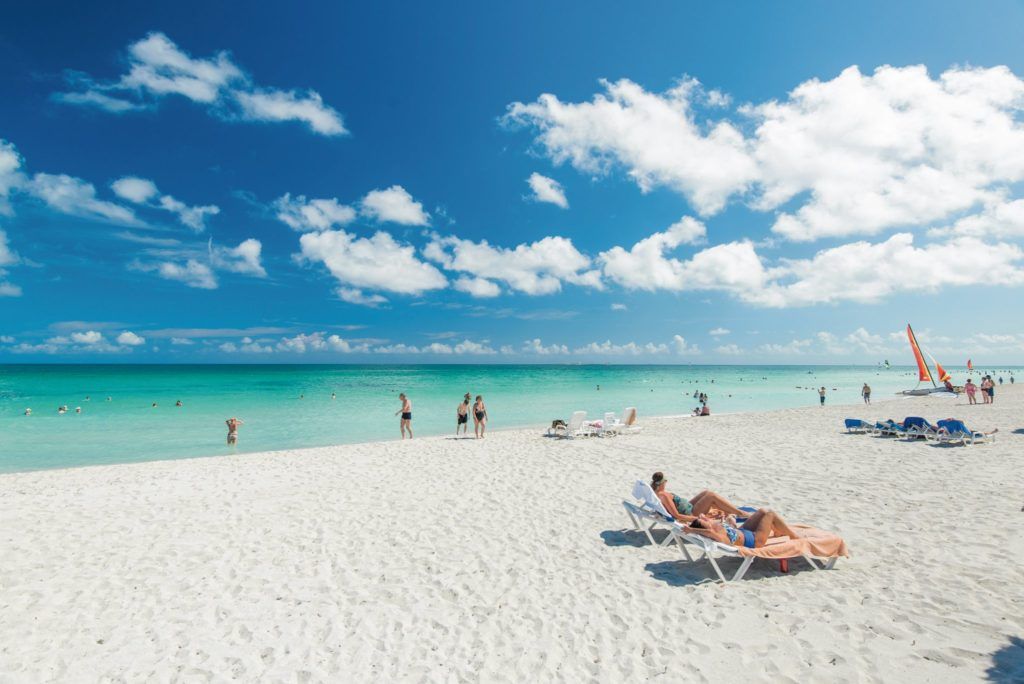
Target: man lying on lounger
{"points": [[687, 511], [753, 533]]}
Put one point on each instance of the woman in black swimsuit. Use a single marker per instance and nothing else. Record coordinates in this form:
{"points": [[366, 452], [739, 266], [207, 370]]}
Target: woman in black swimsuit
{"points": [[479, 417]]}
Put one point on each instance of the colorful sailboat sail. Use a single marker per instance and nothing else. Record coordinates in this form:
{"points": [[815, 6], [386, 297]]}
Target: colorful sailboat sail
{"points": [[939, 370], [922, 368], [970, 366]]}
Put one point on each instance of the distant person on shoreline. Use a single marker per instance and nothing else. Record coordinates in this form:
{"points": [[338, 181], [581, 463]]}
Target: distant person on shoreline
{"points": [[233, 424], [178, 403], [866, 393], [821, 396], [462, 416], [970, 389], [406, 422], [28, 412], [479, 417]]}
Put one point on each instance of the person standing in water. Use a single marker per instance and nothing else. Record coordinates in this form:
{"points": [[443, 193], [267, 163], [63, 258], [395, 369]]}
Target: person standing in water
{"points": [[406, 422], [233, 424], [462, 416], [821, 396], [479, 417], [866, 393]]}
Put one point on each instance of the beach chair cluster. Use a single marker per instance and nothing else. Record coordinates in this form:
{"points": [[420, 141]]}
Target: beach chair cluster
{"points": [[948, 431], [646, 513], [609, 426]]}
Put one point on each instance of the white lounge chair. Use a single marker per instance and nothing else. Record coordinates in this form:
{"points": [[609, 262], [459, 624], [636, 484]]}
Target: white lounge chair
{"points": [[626, 426], [708, 548], [576, 427], [648, 512]]}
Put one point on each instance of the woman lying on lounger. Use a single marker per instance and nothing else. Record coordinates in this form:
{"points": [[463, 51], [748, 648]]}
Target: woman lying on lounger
{"points": [[684, 510], [752, 534]]}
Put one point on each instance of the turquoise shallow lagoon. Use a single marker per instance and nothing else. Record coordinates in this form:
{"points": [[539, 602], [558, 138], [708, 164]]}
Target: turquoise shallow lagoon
{"points": [[267, 397]]}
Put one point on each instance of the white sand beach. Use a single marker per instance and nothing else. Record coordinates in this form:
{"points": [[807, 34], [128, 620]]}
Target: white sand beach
{"points": [[508, 559]]}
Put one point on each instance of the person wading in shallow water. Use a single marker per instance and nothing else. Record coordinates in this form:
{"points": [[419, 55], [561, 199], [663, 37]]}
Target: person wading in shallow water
{"points": [[233, 424], [462, 415]]}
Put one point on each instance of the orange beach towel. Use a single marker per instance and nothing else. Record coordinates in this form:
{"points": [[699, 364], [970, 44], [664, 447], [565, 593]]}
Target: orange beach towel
{"points": [[812, 542]]}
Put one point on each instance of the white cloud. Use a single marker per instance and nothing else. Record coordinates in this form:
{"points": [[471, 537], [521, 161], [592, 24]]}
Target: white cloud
{"points": [[88, 337], [396, 205], [356, 296], [280, 105], [859, 153], [11, 176], [547, 190], [143, 191], [75, 196], [1002, 219], [792, 348], [606, 348], [6, 339], [619, 307], [645, 267], [130, 339], [478, 287], [474, 348], [9, 290], [535, 346], [718, 332], [158, 68], [868, 272], [537, 268], [655, 137], [133, 189], [193, 273], [680, 346], [317, 214], [244, 259], [729, 350], [182, 341], [376, 263]]}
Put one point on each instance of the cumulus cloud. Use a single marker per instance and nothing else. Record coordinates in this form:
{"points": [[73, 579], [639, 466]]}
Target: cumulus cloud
{"points": [[244, 259], [547, 190], [394, 205], [729, 350], [656, 138], [192, 272], [77, 197], [144, 191], [158, 68], [375, 263], [7, 258], [718, 332], [536, 268], [535, 346], [11, 176], [682, 347], [619, 307], [645, 267], [1000, 219], [316, 214], [859, 153], [130, 339]]}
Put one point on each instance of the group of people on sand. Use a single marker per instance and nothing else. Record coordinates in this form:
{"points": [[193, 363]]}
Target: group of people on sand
{"points": [[465, 408], [988, 390], [711, 515]]}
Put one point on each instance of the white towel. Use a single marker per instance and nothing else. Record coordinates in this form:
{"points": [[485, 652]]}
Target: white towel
{"points": [[643, 492]]}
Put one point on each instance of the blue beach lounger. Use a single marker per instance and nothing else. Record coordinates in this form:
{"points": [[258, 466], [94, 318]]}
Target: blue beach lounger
{"points": [[858, 425], [951, 430]]}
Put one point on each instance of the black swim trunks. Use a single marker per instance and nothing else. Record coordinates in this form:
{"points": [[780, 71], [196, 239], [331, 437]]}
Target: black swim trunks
{"points": [[463, 418], [407, 416]]}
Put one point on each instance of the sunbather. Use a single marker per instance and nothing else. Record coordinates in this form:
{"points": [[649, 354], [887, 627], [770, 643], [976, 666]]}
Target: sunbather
{"points": [[684, 510], [753, 533]]}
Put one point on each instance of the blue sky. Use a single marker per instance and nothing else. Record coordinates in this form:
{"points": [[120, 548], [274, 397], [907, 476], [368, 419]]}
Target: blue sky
{"points": [[710, 184]]}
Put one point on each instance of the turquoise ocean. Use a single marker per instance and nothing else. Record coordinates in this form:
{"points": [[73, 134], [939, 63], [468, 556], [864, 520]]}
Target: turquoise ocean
{"points": [[290, 406]]}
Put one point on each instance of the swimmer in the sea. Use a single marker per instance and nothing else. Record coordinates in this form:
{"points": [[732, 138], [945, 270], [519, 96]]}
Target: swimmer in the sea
{"points": [[233, 424]]}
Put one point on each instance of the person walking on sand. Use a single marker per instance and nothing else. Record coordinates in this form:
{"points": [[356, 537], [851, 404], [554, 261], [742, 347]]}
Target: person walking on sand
{"points": [[821, 396], [462, 416], [479, 417], [233, 424], [970, 388], [985, 384], [406, 423], [866, 393]]}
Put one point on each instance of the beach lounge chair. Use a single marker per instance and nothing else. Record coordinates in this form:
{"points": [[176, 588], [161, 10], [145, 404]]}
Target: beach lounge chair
{"points": [[647, 512], [628, 426], [891, 427], [858, 425], [952, 430], [576, 427], [916, 427], [819, 548]]}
